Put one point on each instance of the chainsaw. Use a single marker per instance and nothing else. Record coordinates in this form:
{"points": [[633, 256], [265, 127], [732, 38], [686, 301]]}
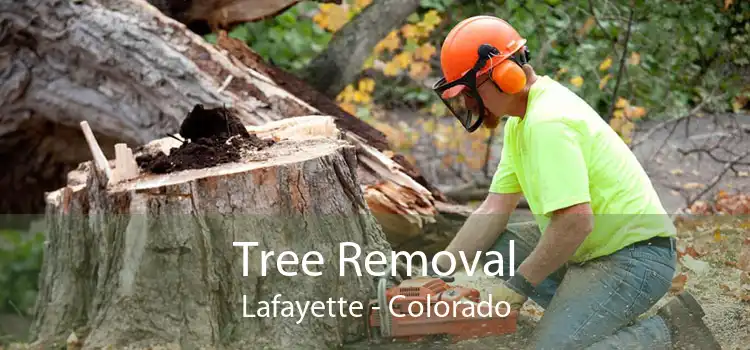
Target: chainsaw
{"points": [[424, 307]]}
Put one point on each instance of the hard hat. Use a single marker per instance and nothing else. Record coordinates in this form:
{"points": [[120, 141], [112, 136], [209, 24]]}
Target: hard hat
{"points": [[475, 46]]}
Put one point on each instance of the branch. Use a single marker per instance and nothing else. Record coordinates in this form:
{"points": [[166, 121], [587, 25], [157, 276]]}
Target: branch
{"points": [[718, 176], [342, 60], [665, 123], [622, 62], [709, 153], [596, 20]]}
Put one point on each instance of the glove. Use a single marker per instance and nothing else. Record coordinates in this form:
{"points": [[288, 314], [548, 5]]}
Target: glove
{"points": [[504, 293], [514, 291]]}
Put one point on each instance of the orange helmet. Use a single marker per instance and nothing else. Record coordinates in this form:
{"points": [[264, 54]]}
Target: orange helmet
{"points": [[475, 46]]}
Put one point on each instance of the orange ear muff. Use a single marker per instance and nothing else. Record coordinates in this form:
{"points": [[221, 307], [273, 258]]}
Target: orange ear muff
{"points": [[509, 77]]}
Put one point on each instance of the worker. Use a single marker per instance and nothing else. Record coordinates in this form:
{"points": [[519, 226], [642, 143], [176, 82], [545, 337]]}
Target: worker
{"points": [[602, 251]]}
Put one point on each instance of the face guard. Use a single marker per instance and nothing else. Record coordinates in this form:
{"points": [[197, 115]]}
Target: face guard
{"points": [[461, 95]]}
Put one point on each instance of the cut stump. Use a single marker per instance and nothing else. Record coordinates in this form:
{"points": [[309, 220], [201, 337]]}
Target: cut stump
{"points": [[151, 261]]}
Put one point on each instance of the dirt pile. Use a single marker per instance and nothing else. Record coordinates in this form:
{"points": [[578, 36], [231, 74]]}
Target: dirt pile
{"points": [[212, 137]]}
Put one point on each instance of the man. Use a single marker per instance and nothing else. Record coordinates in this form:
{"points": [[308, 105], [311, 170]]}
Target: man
{"points": [[603, 253]]}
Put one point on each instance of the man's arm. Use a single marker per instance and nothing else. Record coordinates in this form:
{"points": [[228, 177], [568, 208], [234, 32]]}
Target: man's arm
{"points": [[482, 227], [563, 192], [567, 229]]}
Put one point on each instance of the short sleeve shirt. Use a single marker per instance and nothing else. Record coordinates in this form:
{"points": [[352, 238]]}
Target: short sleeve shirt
{"points": [[562, 153]]}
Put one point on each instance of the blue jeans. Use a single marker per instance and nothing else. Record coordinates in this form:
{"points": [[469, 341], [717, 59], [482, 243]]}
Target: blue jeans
{"points": [[596, 304]]}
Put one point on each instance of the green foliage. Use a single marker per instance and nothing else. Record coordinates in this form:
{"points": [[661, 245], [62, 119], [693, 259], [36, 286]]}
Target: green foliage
{"points": [[289, 40], [21, 259]]}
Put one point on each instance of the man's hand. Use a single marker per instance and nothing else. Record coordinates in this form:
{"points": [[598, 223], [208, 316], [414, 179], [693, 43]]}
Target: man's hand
{"points": [[503, 292]]}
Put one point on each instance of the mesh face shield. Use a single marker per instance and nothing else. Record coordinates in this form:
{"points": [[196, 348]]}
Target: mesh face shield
{"points": [[461, 96]]}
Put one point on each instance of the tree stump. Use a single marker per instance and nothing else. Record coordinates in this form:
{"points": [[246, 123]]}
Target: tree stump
{"points": [[153, 260]]}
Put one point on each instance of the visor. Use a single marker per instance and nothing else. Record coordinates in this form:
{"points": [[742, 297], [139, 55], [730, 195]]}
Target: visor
{"points": [[461, 95], [463, 101]]}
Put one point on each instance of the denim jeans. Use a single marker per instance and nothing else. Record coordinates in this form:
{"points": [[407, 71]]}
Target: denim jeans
{"points": [[597, 304]]}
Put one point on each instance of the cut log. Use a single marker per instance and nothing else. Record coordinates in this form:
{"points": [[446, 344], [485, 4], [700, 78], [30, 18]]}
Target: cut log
{"points": [[133, 74], [152, 260]]}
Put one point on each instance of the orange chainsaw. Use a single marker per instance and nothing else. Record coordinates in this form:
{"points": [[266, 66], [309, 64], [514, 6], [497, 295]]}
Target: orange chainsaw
{"points": [[428, 306]]}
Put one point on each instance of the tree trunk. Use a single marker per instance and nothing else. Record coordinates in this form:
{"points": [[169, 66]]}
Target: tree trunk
{"points": [[347, 51], [205, 16], [133, 74], [152, 260]]}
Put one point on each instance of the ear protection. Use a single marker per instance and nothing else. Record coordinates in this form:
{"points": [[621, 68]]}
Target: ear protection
{"points": [[508, 76]]}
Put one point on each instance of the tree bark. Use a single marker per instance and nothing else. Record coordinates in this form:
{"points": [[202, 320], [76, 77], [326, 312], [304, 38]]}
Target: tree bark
{"points": [[150, 261], [347, 51], [206, 16]]}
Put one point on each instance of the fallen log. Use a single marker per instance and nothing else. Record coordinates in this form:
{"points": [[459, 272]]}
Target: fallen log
{"points": [[159, 258], [133, 74], [205, 16]]}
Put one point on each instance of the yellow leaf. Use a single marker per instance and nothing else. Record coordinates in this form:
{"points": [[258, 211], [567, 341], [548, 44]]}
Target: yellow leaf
{"points": [[327, 7], [431, 18], [390, 43], [606, 64], [618, 114], [358, 96], [717, 235], [577, 81], [419, 70], [321, 20], [636, 112], [338, 17], [391, 69], [360, 4], [693, 186], [403, 59], [366, 98], [346, 94], [616, 124], [676, 172], [627, 129], [366, 85], [635, 58], [603, 82], [351, 108], [425, 52], [409, 31], [621, 103], [587, 26], [727, 3]]}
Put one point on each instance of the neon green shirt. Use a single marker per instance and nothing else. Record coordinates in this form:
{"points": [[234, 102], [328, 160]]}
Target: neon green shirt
{"points": [[562, 153]]}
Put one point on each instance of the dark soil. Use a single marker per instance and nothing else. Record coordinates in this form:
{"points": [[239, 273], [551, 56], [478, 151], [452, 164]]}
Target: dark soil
{"points": [[213, 137]]}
